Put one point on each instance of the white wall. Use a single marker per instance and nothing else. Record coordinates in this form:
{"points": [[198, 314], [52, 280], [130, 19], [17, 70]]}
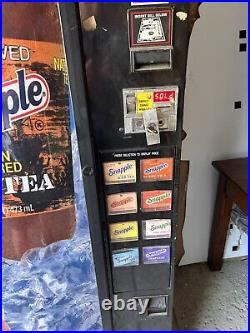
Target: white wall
{"points": [[216, 77]]}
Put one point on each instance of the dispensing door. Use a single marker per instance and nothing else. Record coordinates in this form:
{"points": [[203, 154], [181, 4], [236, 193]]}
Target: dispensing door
{"points": [[131, 59]]}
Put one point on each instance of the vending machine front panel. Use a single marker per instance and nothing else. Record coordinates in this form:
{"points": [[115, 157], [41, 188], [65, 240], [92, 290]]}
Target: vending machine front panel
{"points": [[127, 68]]}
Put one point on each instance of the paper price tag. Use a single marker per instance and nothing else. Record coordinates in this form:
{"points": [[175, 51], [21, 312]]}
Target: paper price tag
{"points": [[144, 101]]}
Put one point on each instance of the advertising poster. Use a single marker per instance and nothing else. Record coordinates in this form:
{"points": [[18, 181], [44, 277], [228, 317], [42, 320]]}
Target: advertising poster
{"points": [[48, 272]]}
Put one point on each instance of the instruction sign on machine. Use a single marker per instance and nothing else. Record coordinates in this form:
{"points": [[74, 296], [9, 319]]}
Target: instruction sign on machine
{"points": [[150, 38], [150, 27]]}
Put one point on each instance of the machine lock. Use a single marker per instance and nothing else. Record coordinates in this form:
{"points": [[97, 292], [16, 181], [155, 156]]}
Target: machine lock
{"points": [[151, 127]]}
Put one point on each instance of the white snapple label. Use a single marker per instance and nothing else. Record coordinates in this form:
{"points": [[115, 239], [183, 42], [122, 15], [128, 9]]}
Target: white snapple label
{"points": [[157, 228]]}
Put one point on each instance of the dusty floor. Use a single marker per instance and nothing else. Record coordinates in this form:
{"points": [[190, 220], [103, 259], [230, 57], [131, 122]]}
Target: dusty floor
{"points": [[206, 300]]}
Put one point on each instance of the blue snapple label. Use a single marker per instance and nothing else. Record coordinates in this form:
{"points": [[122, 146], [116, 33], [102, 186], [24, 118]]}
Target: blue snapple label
{"points": [[126, 257], [156, 254]]}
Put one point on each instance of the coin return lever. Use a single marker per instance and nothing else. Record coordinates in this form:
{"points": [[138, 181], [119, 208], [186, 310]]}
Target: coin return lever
{"points": [[150, 39]]}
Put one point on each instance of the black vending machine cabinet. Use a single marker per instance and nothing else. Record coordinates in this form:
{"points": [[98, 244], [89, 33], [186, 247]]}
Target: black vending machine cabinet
{"points": [[127, 68]]}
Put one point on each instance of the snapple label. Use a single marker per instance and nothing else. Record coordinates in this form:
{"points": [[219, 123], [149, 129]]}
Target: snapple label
{"points": [[158, 169], [123, 232], [37, 180], [159, 200], [125, 257], [122, 203], [156, 229], [119, 172], [156, 254]]}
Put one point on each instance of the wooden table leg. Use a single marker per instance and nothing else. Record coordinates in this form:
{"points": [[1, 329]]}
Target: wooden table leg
{"points": [[222, 213]]}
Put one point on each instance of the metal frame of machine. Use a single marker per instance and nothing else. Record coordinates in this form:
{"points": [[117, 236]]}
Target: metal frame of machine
{"points": [[97, 94]]}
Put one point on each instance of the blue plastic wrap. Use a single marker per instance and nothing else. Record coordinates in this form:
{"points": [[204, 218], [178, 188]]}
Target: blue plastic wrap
{"points": [[54, 288]]}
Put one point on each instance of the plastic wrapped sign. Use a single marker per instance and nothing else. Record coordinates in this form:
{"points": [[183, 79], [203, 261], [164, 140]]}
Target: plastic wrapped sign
{"points": [[38, 203], [48, 271]]}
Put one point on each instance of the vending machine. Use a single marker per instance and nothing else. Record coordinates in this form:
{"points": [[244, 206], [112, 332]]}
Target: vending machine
{"points": [[127, 67]]}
